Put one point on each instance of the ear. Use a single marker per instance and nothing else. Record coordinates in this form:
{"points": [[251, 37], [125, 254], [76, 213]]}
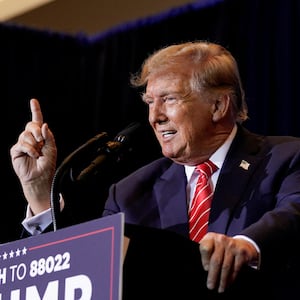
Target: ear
{"points": [[220, 107]]}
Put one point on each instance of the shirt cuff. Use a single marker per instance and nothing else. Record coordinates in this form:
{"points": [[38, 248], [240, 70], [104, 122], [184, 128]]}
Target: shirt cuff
{"points": [[38, 223]]}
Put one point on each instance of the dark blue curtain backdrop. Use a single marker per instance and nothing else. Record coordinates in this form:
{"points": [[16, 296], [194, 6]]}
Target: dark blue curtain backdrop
{"points": [[83, 85]]}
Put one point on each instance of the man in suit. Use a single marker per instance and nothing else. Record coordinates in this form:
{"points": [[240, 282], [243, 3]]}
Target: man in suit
{"points": [[196, 109]]}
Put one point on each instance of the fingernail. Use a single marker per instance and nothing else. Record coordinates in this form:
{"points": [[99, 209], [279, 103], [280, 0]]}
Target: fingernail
{"points": [[209, 285]]}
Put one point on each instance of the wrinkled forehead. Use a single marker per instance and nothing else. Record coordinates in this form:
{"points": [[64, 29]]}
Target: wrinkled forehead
{"points": [[168, 82]]}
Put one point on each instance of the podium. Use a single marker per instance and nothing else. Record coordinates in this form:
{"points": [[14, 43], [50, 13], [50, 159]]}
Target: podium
{"points": [[88, 262], [162, 265]]}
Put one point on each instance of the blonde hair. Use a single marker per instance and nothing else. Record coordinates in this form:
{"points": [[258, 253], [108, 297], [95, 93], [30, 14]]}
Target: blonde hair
{"points": [[212, 68]]}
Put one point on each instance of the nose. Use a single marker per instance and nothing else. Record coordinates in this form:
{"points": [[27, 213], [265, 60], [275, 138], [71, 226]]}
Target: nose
{"points": [[157, 113]]}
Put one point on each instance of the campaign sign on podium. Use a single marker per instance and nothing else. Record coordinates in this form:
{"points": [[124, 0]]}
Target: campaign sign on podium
{"points": [[82, 262]]}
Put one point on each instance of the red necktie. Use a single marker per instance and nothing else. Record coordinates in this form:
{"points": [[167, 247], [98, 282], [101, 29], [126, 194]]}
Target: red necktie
{"points": [[200, 206]]}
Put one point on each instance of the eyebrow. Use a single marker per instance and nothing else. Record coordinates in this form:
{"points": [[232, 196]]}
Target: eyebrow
{"points": [[166, 93]]}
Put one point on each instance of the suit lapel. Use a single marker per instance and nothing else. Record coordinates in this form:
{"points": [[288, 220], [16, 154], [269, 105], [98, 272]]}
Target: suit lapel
{"points": [[238, 168]]}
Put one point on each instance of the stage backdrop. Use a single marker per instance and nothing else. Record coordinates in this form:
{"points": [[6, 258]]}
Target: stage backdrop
{"points": [[83, 85]]}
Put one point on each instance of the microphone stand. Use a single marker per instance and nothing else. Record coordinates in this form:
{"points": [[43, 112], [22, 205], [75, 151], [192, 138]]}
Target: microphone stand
{"points": [[66, 167], [106, 151]]}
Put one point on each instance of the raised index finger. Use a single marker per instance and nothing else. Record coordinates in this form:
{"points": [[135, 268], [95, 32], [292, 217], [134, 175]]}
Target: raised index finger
{"points": [[36, 112]]}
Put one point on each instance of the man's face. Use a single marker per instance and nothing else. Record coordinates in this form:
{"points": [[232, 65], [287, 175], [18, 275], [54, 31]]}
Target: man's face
{"points": [[181, 119]]}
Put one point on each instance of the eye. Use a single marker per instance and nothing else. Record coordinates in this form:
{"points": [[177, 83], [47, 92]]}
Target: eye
{"points": [[147, 100], [170, 98]]}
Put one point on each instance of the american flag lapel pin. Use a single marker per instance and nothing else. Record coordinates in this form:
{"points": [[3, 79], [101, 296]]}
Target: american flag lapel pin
{"points": [[245, 165]]}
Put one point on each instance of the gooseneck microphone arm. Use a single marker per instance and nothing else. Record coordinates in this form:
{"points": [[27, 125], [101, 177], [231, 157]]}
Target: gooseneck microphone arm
{"points": [[107, 152], [64, 167]]}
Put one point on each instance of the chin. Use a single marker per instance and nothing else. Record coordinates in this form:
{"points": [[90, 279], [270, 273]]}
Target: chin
{"points": [[171, 155], [168, 154]]}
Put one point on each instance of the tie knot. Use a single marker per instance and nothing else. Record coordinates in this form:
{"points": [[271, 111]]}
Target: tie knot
{"points": [[207, 168]]}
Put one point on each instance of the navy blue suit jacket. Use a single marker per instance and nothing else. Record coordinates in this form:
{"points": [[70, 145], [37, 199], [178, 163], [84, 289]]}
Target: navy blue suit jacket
{"points": [[257, 194]]}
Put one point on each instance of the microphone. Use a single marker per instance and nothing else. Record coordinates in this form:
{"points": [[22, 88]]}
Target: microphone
{"points": [[108, 151], [95, 141], [112, 150], [65, 167]]}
